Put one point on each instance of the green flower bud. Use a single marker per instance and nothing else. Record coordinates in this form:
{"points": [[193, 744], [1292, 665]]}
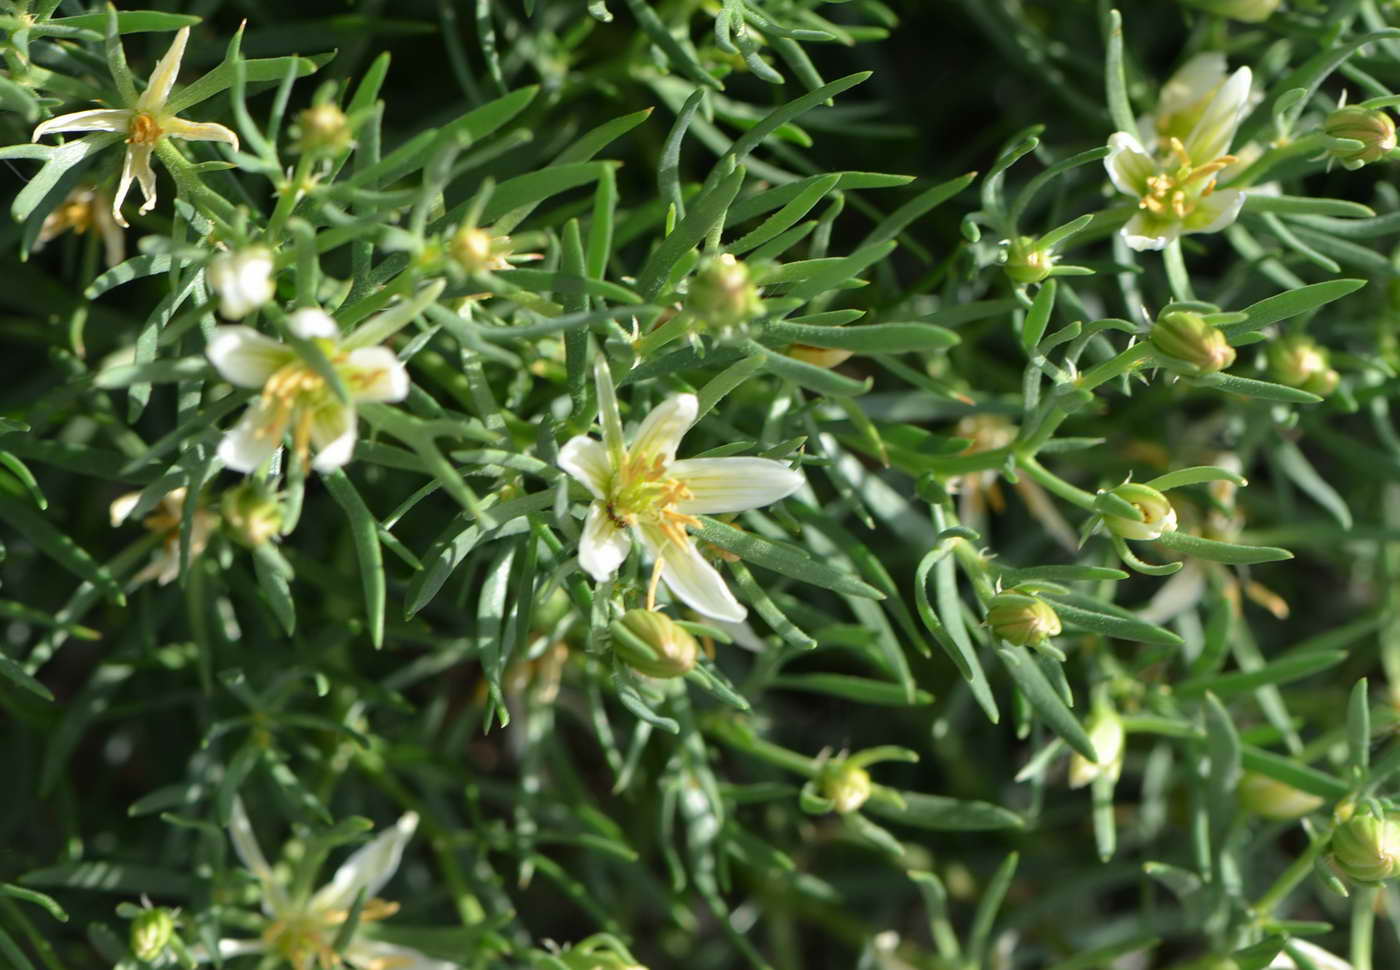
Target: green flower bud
{"points": [[1158, 516], [1367, 849], [1106, 733], [845, 785], [1373, 128], [323, 129], [151, 932], [1301, 362], [1272, 799], [722, 293], [1025, 263], [251, 514], [652, 643], [1187, 339], [1021, 618], [476, 250]]}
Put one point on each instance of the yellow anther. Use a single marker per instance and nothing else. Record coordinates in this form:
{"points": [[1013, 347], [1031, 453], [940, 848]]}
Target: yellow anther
{"points": [[144, 129]]}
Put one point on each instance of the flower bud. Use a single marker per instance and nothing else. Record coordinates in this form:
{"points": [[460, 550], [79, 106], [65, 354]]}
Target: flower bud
{"points": [[1272, 799], [818, 356], [845, 785], [654, 644], [151, 932], [243, 280], [1158, 516], [1022, 618], [1106, 733], [1366, 848], [251, 514], [1026, 263], [323, 129], [1373, 128], [1187, 339], [722, 293], [1301, 362], [476, 250]]}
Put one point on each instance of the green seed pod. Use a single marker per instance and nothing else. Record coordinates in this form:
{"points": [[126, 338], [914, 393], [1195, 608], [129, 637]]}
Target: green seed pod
{"points": [[151, 932], [845, 785], [1272, 799], [1026, 263], [1189, 341], [1367, 849], [1373, 128], [1022, 618], [1158, 516], [722, 293], [1106, 733], [652, 643], [1302, 362], [251, 515]]}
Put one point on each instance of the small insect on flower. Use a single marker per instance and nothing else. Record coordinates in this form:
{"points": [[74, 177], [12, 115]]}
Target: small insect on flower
{"points": [[640, 488], [145, 123]]}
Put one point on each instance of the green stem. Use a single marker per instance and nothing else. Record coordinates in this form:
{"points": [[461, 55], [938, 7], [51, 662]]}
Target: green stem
{"points": [[36, 939], [1292, 876], [210, 204], [1116, 367], [1053, 483], [664, 334], [1303, 146], [1363, 922], [1177, 274], [288, 197]]}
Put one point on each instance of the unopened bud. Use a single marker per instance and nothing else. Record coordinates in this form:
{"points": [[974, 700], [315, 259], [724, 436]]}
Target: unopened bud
{"points": [[243, 280], [1027, 263], [151, 932], [1106, 734], [1188, 340], [1299, 361], [323, 129], [1272, 799], [1158, 515], [819, 356], [476, 250], [722, 293], [845, 785], [1022, 618], [1367, 849], [1374, 129], [654, 644], [251, 514]]}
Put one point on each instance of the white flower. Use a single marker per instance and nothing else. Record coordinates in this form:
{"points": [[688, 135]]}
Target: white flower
{"points": [[165, 521], [302, 929], [1320, 958], [144, 123], [640, 489], [1175, 184], [85, 208], [294, 396], [242, 279]]}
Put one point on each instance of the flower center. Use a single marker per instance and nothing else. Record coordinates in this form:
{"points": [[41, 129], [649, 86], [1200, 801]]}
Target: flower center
{"points": [[1175, 192], [306, 939], [144, 129], [641, 490]]}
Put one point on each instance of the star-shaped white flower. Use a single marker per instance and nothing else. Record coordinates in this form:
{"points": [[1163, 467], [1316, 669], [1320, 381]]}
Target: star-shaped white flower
{"points": [[144, 123], [1175, 183], [295, 397], [640, 489], [302, 929]]}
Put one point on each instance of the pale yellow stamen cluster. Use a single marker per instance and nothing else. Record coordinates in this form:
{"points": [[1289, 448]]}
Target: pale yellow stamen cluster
{"points": [[292, 393], [1173, 192], [641, 490], [144, 130], [307, 939]]}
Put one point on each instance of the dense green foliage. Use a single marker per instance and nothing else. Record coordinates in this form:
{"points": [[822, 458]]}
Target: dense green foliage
{"points": [[1040, 607]]}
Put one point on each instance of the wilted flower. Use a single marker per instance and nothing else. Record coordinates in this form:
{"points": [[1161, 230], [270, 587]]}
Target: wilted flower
{"points": [[1106, 733], [301, 927], [243, 280], [86, 208], [1158, 515], [1366, 848], [1373, 128], [1301, 362], [652, 643], [1022, 618], [165, 521], [144, 123], [1175, 183], [1191, 343], [641, 487]]}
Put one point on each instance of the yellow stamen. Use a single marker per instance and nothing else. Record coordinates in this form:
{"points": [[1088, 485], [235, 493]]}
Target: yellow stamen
{"points": [[655, 581], [144, 129]]}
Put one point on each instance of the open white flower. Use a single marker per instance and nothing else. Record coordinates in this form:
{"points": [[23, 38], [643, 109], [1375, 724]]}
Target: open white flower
{"points": [[294, 396], [1175, 181], [243, 280], [302, 929], [144, 123], [640, 489]]}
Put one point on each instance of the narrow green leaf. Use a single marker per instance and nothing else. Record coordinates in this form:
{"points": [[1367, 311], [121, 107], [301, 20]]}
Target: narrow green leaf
{"points": [[787, 560], [364, 531]]}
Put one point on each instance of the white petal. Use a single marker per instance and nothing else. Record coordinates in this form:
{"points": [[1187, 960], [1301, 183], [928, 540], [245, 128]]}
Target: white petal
{"points": [[245, 844], [603, 545], [1215, 211], [199, 131], [163, 77], [692, 579], [609, 417], [1213, 133], [140, 158], [242, 279], [1320, 958], [123, 187], [245, 357], [586, 459], [369, 868], [308, 323], [1128, 166], [661, 432], [733, 484], [121, 507], [97, 119], [254, 439], [375, 374], [333, 434], [377, 955], [1192, 83], [1142, 233]]}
